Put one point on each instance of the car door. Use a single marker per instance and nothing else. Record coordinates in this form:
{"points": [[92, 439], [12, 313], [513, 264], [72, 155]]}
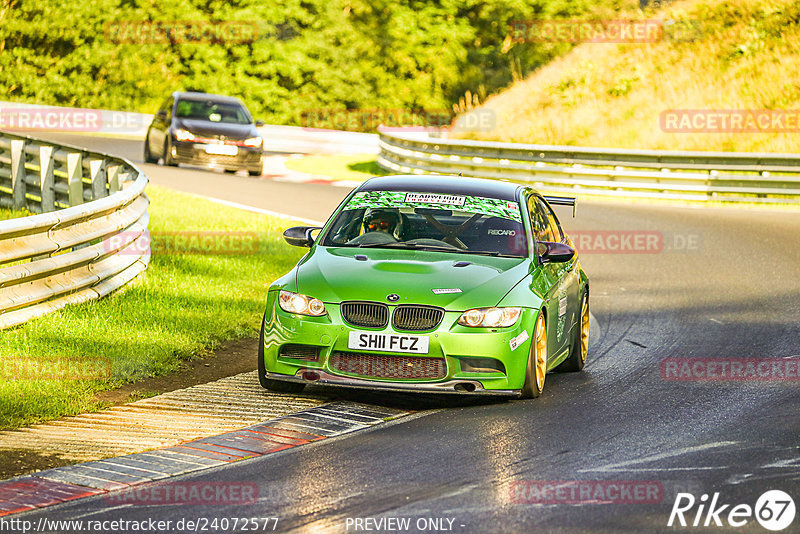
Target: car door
{"points": [[157, 133], [569, 298], [552, 281]]}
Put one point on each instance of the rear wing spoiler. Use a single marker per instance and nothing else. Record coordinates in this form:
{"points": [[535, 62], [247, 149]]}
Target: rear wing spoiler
{"points": [[562, 201]]}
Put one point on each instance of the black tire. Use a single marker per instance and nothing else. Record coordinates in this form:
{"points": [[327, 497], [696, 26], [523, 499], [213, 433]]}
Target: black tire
{"points": [[168, 161], [230, 171], [148, 157], [257, 172], [266, 383], [534, 381], [580, 340]]}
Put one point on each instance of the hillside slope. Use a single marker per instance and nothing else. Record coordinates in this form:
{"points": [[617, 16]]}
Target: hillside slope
{"points": [[742, 55]]}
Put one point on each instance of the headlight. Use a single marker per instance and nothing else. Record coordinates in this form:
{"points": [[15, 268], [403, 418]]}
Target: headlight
{"points": [[253, 142], [490, 317], [184, 135], [301, 304]]}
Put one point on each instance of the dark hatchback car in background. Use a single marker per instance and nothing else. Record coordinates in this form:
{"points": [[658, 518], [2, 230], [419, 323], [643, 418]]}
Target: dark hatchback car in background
{"points": [[207, 130]]}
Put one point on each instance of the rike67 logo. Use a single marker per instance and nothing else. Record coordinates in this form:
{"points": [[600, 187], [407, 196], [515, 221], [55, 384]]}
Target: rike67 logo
{"points": [[774, 510]]}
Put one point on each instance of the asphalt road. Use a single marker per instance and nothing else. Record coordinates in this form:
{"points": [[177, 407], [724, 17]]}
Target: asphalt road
{"points": [[308, 201], [726, 285]]}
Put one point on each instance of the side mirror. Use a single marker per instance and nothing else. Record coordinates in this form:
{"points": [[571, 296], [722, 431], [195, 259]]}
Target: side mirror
{"points": [[300, 236], [259, 124], [550, 252], [161, 114]]}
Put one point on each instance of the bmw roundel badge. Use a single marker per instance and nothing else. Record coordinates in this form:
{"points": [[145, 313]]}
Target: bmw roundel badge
{"points": [[394, 297]]}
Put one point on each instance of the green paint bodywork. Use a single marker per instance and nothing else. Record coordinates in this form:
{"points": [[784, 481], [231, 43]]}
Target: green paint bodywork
{"points": [[333, 275]]}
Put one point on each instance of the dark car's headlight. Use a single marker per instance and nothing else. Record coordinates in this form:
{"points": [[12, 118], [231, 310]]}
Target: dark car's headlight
{"points": [[490, 317], [253, 142], [183, 135], [300, 304]]}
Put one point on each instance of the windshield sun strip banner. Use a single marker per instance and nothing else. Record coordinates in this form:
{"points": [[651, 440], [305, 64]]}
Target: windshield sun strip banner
{"points": [[493, 207]]}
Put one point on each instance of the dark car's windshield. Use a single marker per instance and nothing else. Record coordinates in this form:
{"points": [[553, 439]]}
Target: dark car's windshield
{"points": [[430, 221], [211, 111]]}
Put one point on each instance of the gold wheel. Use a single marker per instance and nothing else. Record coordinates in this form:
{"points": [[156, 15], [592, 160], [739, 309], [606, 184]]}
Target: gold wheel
{"points": [[541, 352], [536, 367], [585, 328]]}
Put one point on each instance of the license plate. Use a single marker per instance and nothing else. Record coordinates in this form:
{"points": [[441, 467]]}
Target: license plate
{"points": [[222, 150], [388, 342]]}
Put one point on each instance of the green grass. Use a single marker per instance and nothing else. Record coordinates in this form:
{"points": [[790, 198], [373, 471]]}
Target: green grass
{"points": [[13, 214], [356, 167], [181, 307]]}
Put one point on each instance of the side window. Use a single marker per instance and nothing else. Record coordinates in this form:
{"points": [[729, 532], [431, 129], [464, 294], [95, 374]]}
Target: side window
{"points": [[553, 220], [542, 230]]}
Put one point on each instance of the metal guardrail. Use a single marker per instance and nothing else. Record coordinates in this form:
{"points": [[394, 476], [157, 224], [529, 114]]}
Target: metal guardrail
{"points": [[90, 235], [729, 176]]}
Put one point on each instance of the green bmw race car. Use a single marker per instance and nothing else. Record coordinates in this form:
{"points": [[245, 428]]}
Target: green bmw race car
{"points": [[431, 284]]}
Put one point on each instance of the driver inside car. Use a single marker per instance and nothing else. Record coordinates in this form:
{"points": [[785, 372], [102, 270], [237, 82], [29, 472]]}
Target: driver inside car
{"points": [[381, 221], [380, 226]]}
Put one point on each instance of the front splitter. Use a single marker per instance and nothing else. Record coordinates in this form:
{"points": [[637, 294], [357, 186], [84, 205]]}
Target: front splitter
{"points": [[452, 387]]}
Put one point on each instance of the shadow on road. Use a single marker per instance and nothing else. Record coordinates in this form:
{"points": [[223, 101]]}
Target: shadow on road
{"points": [[403, 401]]}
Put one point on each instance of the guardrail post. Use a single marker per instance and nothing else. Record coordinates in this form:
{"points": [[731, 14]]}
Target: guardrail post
{"points": [[113, 172], [75, 178], [97, 173], [46, 180], [18, 185]]}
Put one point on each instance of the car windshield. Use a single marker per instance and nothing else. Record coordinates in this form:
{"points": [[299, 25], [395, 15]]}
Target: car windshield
{"points": [[208, 110], [430, 221]]}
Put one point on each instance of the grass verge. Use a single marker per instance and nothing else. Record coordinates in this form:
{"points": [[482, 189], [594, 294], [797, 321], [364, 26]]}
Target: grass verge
{"points": [[355, 167], [183, 306]]}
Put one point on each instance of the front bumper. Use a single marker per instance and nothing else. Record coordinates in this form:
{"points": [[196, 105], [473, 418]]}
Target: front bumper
{"points": [[454, 343], [192, 153]]}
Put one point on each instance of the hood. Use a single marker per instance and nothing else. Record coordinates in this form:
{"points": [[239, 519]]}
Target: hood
{"points": [[334, 275], [213, 129]]}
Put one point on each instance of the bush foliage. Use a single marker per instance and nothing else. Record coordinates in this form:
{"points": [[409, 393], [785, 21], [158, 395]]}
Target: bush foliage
{"points": [[307, 55]]}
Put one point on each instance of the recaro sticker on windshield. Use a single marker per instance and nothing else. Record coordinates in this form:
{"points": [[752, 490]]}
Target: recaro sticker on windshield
{"points": [[492, 207]]}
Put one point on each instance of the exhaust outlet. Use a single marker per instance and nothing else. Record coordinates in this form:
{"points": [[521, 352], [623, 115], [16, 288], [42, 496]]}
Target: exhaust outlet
{"points": [[310, 376], [468, 387]]}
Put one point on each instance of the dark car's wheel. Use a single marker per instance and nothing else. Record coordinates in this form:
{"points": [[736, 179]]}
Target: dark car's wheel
{"points": [[580, 340], [266, 383], [537, 361], [148, 157], [168, 159], [256, 172]]}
